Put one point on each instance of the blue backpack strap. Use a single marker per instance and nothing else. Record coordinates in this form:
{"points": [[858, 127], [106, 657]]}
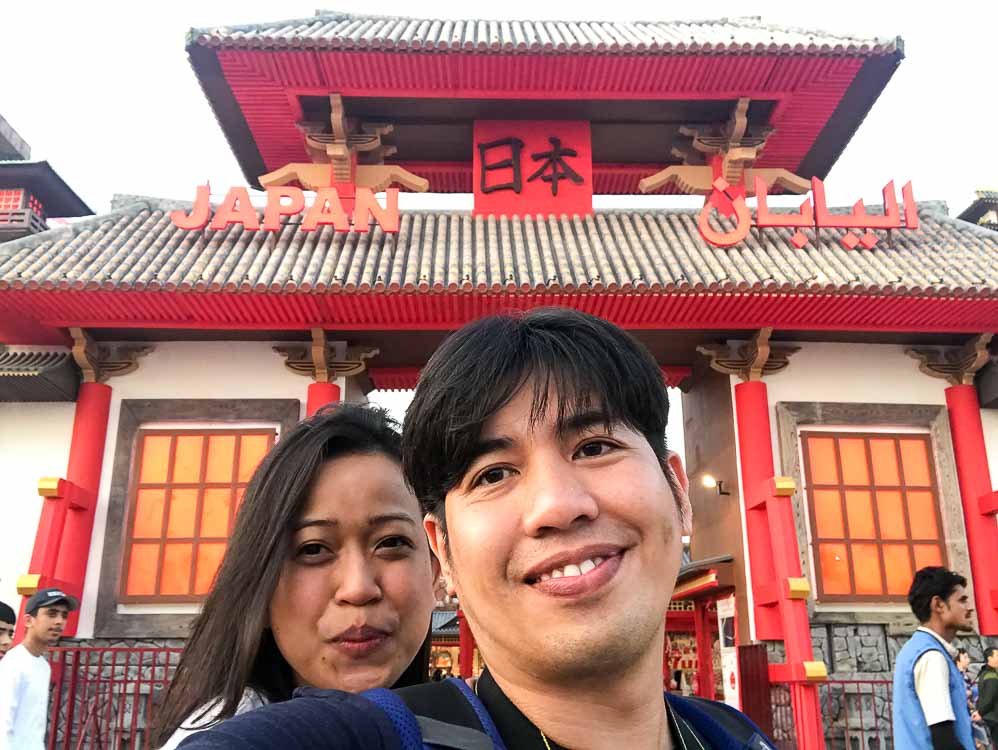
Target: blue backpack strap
{"points": [[480, 711], [402, 717], [724, 727]]}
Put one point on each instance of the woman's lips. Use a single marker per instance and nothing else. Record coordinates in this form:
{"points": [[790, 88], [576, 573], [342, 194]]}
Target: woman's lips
{"points": [[359, 642]]}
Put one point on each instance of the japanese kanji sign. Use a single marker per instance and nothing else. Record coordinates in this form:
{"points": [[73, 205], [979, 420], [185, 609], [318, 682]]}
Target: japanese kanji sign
{"points": [[527, 167]]}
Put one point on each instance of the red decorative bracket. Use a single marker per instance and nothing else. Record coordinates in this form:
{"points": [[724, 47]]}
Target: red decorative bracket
{"points": [[802, 671], [675, 374], [989, 504]]}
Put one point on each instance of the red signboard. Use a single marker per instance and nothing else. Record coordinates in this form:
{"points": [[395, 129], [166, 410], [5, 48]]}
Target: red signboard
{"points": [[529, 167]]}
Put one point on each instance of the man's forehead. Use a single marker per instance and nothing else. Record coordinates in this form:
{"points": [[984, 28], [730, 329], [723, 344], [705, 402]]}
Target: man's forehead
{"points": [[532, 410]]}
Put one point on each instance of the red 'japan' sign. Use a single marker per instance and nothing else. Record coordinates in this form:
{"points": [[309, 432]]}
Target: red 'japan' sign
{"points": [[526, 167]]}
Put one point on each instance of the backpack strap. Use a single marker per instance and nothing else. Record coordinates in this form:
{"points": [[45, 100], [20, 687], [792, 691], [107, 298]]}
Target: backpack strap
{"points": [[402, 718], [724, 727], [457, 721], [480, 711]]}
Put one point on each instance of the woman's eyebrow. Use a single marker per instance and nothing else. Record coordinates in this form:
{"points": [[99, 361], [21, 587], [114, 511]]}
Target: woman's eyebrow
{"points": [[384, 518], [304, 523]]}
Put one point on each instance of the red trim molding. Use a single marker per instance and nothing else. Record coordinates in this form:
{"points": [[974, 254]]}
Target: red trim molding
{"points": [[429, 311]]}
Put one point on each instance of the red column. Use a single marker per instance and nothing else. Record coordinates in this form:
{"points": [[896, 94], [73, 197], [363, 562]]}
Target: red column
{"points": [[62, 542], [705, 651], [978, 501], [774, 559], [466, 639], [320, 394]]}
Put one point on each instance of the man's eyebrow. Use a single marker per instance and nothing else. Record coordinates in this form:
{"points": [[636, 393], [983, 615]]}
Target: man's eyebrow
{"points": [[484, 447], [582, 421]]}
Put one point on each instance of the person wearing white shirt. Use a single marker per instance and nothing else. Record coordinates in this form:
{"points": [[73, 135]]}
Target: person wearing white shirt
{"points": [[25, 673]]}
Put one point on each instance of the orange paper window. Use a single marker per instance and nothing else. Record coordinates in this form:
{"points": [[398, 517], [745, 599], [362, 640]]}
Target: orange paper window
{"points": [[209, 558], [188, 485], [834, 569], [884, 457], [874, 511], [852, 454], [828, 513], [915, 461], [824, 468], [866, 565]]}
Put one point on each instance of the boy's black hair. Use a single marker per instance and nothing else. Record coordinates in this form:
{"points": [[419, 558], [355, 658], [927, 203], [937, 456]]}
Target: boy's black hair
{"points": [[7, 614], [573, 360], [928, 583]]}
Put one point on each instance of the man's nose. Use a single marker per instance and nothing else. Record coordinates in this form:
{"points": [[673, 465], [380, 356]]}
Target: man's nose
{"points": [[557, 498], [357, 580]]}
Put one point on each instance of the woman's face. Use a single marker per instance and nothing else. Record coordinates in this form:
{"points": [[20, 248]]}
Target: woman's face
{"points": [[352, 605]]}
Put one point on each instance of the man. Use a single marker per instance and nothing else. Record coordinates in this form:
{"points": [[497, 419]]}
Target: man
{"points": [[930, 700], [536, 445], [7, 622], [25, 672], [987, 686]]}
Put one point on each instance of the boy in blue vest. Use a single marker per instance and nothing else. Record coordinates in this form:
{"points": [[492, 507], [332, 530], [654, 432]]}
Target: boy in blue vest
{"points": [[930, 702], [536, 445]]}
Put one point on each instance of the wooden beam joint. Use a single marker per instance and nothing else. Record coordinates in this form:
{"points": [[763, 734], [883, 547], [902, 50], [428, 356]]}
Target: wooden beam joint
{"points": [[750, 360], [956, 364]]}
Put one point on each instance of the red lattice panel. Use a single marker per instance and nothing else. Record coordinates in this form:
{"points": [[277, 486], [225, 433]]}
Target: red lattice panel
{"points": [[36, 205], [10, 200]]}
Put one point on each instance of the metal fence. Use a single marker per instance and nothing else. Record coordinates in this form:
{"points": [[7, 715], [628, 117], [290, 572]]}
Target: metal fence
{"points": [[856, 715], [104, 697]]}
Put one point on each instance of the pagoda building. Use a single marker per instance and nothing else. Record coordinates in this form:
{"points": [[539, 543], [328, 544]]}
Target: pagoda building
{"points": [[829, 358]]}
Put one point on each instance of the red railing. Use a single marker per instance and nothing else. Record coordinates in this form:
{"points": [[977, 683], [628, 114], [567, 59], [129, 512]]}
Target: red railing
{"points": [[856, 714], [104, 697]]}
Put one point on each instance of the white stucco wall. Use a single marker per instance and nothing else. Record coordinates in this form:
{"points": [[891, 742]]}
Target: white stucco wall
{"points": [[173, 370], [34, 443], [846, 373], [989, 420]]}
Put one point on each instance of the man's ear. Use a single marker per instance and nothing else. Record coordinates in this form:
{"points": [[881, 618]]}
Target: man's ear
{"points": [[438, 544], [675, 464]]}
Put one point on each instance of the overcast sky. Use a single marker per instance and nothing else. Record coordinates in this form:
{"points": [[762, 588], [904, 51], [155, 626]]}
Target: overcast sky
{"points": [[105, 93]]}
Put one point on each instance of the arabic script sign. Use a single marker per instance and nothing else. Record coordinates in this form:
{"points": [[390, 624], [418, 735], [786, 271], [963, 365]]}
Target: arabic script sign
{"points": [[814, 216], [330, 207], [523, 167]]}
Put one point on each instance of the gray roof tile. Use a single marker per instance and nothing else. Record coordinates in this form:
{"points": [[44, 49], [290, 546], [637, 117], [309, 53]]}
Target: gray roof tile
{"points": [[334, 30], [138, 248]]}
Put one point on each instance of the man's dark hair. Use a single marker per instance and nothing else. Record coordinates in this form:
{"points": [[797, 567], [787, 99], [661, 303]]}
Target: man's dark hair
{"points": [[989, 652], [7, 614], [584, 362], [930, 582]]}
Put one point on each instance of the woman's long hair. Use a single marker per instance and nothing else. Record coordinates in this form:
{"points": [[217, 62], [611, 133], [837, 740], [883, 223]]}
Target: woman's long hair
{"points": [[231, 648]]}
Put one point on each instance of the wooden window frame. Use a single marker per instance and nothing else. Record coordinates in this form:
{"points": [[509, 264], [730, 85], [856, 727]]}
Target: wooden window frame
{"points": [[909, 542], [133, 490]]}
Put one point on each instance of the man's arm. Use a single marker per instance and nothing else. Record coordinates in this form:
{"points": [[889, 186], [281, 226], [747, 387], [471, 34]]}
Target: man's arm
{"points": [[318, 720], [944, 736], [987, 694], [932, 686], [10, 685]]}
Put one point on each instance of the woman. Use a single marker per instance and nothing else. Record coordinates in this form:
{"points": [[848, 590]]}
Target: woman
{"points": [[327, 580]]}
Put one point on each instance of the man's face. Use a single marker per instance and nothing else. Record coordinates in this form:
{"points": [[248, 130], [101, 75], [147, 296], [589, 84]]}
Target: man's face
{"points": [[563, 548], [6, 637], [47, 624], [993, 659], [956, 611]]}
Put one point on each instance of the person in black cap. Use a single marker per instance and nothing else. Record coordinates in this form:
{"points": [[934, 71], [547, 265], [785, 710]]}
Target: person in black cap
{"points": [[7, 620], [25, 672]]}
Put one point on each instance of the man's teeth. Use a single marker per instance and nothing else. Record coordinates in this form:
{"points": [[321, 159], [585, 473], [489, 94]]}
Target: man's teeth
{"points": [[570, 571]]}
